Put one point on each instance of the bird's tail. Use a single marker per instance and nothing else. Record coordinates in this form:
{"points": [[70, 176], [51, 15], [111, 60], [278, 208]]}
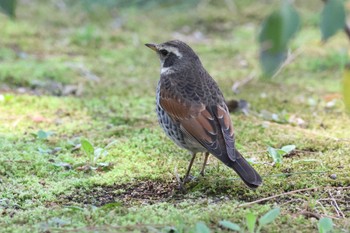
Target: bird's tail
{"points": [[244, 170]]}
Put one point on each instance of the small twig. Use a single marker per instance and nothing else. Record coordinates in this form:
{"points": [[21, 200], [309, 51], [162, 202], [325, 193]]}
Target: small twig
{"points": [[322, 206], [14, 124], [286, 194], [290, 58], [293, 200], [280, 174], [296, 173], [330, 199], [335, 205], [309, 214], [265, 151], [242, 82], [275, 196]]}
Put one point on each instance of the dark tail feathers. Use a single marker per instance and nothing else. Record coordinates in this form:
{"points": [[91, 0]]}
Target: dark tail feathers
{"points": [[244, 170]]}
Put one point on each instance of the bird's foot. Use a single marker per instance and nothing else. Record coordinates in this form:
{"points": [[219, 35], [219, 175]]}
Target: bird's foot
{"points": [[182, 182], [182, 187], [187, 179]]}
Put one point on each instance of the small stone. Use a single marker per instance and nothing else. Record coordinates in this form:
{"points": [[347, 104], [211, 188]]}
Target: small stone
{"points": [[333, 176]]}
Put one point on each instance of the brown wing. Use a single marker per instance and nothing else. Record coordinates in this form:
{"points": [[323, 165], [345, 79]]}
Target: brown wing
{"points": [[209, 125]]}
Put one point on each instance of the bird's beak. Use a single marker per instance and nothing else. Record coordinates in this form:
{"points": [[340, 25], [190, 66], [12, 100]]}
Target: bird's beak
{"points": [[152, 46]]}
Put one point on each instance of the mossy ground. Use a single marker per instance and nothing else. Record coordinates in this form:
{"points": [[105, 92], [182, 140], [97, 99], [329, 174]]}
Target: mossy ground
{"points": [[83, 72]]}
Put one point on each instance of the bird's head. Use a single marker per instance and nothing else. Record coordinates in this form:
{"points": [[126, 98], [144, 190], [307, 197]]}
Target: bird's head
{"points": [[174, 54]]}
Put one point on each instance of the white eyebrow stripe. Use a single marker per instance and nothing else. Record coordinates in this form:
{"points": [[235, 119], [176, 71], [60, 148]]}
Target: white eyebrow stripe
{"points": [[174, 51], [167, 70]]}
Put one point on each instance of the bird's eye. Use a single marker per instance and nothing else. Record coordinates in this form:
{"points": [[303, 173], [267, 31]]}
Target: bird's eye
{"points": [[163, 52]]}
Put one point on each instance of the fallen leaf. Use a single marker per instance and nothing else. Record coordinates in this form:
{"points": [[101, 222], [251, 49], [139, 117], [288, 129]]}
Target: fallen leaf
{"points": [[84, 168], [333, 96], [39, 119]]}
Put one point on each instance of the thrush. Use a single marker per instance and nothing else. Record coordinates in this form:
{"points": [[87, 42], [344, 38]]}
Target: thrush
{"points": [[192, 111]]}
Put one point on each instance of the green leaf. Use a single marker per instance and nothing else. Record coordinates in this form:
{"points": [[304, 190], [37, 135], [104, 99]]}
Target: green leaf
{"points": [[229, 225], [271, 61], [87, 147], [269, 217], [288, 148], [272, 32], [8, 7], [275, 154], [280, 152], [291, 21], [41, 134], [201, 227], [276, 31], [332, 18], [325, 225], [251, 220], [99, 152]]}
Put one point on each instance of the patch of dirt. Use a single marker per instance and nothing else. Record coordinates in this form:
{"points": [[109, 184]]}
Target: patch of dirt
{"points": [[335, 199], [151, 192], [144, 191]]}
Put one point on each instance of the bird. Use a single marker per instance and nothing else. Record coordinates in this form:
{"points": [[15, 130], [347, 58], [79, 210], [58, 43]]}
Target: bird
{"points": [[193, 113]]}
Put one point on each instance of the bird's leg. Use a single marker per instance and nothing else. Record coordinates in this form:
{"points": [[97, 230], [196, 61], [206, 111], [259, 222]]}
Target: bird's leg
{"points": [[186, 179], [206, 156]]}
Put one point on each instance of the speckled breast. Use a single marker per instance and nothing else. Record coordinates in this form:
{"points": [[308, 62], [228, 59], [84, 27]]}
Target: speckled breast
{"points": [[173, 130]]}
